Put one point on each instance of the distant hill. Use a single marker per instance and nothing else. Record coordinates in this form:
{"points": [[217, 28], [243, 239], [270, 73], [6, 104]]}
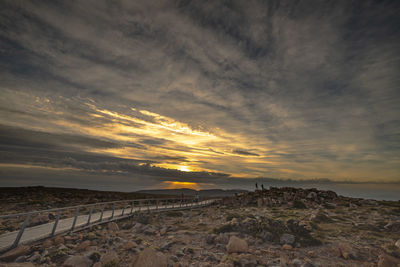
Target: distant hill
{"points": [[192, 192]]}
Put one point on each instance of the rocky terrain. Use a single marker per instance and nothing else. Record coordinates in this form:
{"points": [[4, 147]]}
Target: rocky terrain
{"points": [[275, 227]]}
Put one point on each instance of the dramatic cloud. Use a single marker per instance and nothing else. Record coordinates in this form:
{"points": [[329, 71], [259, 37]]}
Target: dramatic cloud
{"points": [[204, 92]]}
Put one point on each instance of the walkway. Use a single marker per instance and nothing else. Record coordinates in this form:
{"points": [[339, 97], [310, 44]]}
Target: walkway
{"points": [[42, 231]]}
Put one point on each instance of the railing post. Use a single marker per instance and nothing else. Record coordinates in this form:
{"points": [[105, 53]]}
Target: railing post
{"points": [[90, 215], [21, 231], [140, 205], [75, 217], [113, 210], [55, 224], [123, 210], [101, 214], [133, 203], [148, 206], [157, 204]]}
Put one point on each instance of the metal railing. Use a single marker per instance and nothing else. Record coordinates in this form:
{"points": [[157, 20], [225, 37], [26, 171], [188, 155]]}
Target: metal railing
{"points": [[74, 218]]}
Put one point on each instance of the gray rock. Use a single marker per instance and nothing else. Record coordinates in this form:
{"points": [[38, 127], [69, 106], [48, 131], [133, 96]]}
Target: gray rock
{"points": [[34, 258], [21, 259], [150, 258], [174, 258], [297, 262], [287, 239], [77, 261]]}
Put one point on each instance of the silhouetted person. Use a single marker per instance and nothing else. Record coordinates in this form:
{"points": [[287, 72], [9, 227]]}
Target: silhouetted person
{"points": [[196, 198], [262, 187], [256, 186]]}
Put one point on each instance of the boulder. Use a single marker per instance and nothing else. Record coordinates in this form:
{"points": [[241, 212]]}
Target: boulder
{"points": [[112, 226], [397, 244], [83, 246], [110, 258], [287, 239], [236, 245], [15, 253], [150, 258], [77, 261], [388, 261]]}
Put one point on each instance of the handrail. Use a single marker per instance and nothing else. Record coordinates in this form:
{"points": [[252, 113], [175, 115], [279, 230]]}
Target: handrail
{"points": [[116, 214], [84, 205]]}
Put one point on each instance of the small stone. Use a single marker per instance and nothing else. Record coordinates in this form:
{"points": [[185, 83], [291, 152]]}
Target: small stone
{"points": [[62, 247], [163, 231], [83, 246], [129, 245], [287, 247], [77, 261], [93, 256], [297, 262], [311, 253], [150, 258], [59, 240], [21, 259], [47, 243], [34, 258], [236, 245], [287, 239], [397, 244]]}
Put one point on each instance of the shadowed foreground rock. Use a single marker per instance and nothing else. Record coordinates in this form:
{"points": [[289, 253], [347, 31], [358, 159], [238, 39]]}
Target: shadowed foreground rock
{"points": [[150, 258], [236, 245]]}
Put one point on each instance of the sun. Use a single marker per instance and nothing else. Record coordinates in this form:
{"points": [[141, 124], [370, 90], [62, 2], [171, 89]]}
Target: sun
{"points": [[184, 168]]}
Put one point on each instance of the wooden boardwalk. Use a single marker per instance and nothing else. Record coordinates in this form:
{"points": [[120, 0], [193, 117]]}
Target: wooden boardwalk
{"points": [[42, 231]]}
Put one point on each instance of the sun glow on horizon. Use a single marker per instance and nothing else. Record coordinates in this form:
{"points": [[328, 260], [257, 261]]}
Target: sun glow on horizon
{"points": [[179, 185]]}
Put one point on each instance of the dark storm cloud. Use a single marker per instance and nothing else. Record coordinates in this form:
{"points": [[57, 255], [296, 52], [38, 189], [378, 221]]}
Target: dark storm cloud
{"points": [[243, 152], [306, 88], [11, 136]]}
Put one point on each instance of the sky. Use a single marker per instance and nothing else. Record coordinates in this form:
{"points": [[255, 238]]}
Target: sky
{"points": [[203, 94]]}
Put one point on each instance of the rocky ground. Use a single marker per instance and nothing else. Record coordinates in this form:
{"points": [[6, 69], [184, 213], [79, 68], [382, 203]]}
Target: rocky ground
{"points": [[276, 227]]}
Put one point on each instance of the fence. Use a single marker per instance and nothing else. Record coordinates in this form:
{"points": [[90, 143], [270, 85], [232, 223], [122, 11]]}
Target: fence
{"points": [[31, 226]]}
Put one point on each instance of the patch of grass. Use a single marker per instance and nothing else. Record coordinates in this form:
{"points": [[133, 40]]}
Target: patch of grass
{"points": [[111, 263], [223, 229]]}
